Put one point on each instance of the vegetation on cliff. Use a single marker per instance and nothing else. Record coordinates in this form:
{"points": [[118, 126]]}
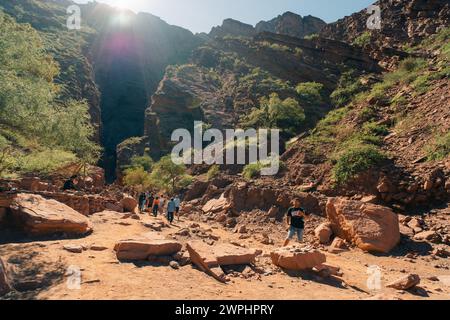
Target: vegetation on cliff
{"points": [[39, 129]]}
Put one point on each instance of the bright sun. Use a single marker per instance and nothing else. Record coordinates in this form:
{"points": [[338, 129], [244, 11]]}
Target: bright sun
{"points": [[124, 4]]}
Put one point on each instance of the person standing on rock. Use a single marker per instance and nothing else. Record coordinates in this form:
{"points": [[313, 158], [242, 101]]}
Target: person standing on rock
{"points": [[177, 206], [296, 222], [155, 207], [170, 210]]}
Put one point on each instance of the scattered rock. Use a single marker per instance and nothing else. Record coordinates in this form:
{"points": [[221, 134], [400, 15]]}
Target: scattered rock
{"points": [[95, 247], [154, 226], [323, 232], [415, 224], [370, 227], [183, 232], [405, 283], [273, 212], [406, 231], [182, 258], [337, 246], [39, 216], [441, 252], [243, 229], [73, 248], [433, 278], [326, 270], [221, 218], [428, 236], [174, 265], [297, 258]]}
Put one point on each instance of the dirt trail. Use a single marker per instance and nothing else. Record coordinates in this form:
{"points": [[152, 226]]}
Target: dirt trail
{"points": [[104, 277]]}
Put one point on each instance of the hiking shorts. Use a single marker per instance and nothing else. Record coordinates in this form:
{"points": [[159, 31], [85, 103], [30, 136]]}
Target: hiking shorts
{"points": [[293, 231]]}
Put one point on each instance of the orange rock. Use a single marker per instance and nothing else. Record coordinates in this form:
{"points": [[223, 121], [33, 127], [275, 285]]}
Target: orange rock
{"points": [[143, 247], [39, 216], [297, 258], [337, 246], [368, 226], [323, 232], [129, 204], [216, 205], [223, 254], [405, 283]]}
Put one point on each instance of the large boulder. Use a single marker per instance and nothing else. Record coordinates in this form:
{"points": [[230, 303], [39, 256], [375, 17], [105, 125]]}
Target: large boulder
{"points": [[141, 248], [5, 285], [371, 227], [128, 203], [297, 258], [323, 233], [223, 254], [39, 216]]}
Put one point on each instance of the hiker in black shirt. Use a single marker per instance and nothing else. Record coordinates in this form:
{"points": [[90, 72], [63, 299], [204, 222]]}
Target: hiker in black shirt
{"points": [[295, 219]]}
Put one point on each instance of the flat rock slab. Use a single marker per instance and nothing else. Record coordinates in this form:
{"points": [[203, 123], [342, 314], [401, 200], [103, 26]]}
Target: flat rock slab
{"points": [[143, 247], [297, 258], [223, 254], [39, 216], [73, 248]]}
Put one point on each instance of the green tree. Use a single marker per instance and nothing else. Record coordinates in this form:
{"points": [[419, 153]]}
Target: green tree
{"points": [[286, 115], [310, 92], [34, 118], [169, 176], [137, 178]]}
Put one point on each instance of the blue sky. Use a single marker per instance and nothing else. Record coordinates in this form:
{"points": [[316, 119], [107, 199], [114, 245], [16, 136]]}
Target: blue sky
{"points": [[202, 15]]}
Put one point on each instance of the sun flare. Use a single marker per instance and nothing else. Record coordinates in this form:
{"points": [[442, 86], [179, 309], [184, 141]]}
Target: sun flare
{"points": [[125, 4]]}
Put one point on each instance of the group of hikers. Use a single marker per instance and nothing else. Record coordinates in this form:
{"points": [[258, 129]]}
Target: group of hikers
{"points": [[154, 204], [148, 202]]}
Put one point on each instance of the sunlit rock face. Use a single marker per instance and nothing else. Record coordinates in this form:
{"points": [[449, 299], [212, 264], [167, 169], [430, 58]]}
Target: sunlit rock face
{"points": [[292, 24], [115, 61], [288, 23]]}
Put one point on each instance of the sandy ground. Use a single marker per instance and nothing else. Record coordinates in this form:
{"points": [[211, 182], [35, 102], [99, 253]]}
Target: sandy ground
{"points": [[104, 277]]}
